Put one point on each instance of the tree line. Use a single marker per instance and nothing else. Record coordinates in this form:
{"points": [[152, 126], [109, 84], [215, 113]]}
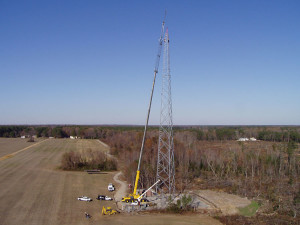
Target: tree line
{"points": [[86, 132], [209, 133], [278, 134]]}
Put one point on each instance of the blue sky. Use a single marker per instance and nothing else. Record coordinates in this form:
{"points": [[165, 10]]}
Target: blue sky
{"points": [[91, 62]]}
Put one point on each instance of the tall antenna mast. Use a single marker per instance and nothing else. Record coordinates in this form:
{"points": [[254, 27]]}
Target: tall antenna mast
{"points": [[165, 161]]}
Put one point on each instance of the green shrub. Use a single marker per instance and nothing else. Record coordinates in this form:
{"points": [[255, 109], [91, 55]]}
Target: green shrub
{"points": [[183, 204], [249, 210]]}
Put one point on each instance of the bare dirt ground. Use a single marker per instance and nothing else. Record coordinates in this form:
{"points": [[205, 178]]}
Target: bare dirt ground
{"points": [[10, 145], [228, 204]]}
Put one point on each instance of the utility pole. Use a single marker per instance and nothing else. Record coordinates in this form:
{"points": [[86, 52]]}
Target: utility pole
{"points": [[165, 161]]}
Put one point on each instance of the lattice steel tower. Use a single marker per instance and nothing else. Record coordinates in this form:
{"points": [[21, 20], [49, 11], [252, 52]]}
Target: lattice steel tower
{"points": [[165, 161]]}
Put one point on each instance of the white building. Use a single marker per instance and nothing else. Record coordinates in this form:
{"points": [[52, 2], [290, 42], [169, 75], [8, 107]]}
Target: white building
{"points": [[243, 139]]}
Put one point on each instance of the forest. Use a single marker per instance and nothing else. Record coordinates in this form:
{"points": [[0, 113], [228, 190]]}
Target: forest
{"points": [[209, 133]]}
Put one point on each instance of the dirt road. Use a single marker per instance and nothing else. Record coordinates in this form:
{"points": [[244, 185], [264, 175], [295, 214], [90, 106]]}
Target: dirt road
{"points": [[121, 191], [102, 143]]}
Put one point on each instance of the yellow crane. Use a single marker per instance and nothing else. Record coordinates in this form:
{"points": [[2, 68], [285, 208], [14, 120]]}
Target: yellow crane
{"points": [[134, 196]]}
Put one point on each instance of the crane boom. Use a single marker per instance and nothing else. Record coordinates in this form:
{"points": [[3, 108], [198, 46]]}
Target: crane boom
{"points": [[149, 108], [139, 198]]}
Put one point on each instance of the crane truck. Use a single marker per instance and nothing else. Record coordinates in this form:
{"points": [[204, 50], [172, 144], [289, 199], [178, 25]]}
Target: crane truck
{"points": [[134, 196]]}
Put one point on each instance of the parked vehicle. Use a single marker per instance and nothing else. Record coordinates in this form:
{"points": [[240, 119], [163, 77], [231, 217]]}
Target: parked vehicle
{"points": [[111, 187], [101, 197], [84, 198], [137, 202], [108, 198], [134, 203]]}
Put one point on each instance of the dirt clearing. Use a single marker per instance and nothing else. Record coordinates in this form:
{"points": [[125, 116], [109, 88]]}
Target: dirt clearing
{"points": [[227, 203]]}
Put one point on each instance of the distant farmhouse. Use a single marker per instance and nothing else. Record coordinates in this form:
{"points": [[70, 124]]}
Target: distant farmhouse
{"points": [[247, 139], [73, 137]]}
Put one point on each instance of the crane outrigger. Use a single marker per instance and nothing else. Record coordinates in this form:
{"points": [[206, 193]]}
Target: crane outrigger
{"points": [[134, 196]]}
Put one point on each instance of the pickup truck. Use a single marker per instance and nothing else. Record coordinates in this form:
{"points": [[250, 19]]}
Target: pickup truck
{"points": [[103, 197], [84, 198], [111, 187]]}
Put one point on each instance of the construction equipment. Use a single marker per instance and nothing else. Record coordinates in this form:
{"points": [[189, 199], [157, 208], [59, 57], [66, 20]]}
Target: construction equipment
{"points": [[134, 196], [140, 198], [108, 211]]}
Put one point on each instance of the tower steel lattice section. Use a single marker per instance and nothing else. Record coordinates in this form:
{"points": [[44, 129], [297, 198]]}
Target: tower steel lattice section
{"points": [[165, 161]]}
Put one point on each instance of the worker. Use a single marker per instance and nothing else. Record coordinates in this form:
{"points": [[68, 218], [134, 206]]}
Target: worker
{"points": [[87, 215]]}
